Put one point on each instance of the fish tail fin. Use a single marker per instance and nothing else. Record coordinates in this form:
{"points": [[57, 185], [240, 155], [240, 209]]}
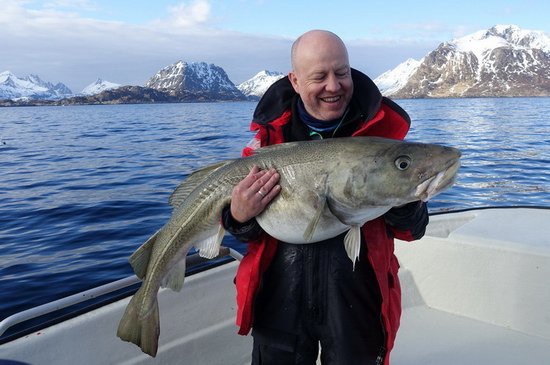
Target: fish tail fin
{"points": [[141, 330]]}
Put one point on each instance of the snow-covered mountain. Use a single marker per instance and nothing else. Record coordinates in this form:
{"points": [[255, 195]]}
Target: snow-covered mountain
{"points": [[31, 87], [98, 86], [198, 78], [257, 85], [501, 61], [393, 80]]}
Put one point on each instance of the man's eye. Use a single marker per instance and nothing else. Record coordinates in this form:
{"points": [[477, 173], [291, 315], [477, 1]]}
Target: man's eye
{"points": [[342, 74]]}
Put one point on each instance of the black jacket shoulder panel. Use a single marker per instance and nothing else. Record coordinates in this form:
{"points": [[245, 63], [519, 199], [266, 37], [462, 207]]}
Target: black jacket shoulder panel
{"points": [[366, 93], [275, 101]]}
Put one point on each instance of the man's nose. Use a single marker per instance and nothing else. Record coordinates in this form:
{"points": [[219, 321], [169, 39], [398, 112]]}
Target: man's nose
{"points": [[333, 83]]}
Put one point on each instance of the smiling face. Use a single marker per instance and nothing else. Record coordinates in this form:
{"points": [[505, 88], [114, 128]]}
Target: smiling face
{"points": [[321, 74]]}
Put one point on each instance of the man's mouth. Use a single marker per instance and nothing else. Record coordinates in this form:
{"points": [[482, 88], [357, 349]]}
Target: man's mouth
{"points": [[332, 99]]}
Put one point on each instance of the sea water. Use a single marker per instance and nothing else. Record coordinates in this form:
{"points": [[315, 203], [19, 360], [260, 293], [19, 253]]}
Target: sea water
{"points": [[81, 187]]}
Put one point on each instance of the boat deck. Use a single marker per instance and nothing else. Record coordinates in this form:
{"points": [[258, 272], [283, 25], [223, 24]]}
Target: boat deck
{"points": [[432, 337], [475, 291]]}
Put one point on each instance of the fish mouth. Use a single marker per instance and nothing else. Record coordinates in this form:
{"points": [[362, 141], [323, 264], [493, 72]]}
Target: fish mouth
{"points": [[439, 182]]}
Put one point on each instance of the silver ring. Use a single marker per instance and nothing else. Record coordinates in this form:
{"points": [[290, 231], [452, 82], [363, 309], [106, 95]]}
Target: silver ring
{"points": [[260, 192]]}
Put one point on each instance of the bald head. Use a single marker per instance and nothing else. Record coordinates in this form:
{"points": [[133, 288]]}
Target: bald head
{"points": [[321, 74], [316, 41]]}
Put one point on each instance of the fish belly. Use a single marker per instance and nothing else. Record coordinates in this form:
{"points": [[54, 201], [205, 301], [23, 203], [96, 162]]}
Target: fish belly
{"points": [[289, 222]]}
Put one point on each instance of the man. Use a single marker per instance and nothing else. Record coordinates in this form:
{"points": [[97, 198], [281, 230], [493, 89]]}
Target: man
{"points": [[299, 296]]}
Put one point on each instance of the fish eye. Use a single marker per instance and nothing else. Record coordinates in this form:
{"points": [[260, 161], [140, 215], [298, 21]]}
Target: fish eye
{"points": [[403, 162]]}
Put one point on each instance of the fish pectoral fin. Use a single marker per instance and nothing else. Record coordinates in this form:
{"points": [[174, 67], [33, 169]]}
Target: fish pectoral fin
{"points": [[175, 277], [312, 226], [140, 258], [210, 247], [320, 185], [352, 243]]}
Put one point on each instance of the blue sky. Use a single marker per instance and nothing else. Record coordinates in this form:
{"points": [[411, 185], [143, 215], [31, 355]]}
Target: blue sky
{"points": [[127, 41]]}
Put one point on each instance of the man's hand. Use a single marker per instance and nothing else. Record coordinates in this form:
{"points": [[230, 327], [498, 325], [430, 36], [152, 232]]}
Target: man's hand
{"points": [[250, 197]]}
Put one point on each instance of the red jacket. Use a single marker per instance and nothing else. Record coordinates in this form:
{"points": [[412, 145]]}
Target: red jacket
{"points": [[387, 120]]}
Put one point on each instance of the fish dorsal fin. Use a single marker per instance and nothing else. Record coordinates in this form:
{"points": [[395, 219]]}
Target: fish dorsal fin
{"points": [[140, 258], [192, 181], [210, 247], [352, 243], [279, 147]]}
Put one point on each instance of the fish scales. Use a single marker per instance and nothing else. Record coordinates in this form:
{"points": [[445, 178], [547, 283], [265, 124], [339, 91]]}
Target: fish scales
{"points": [[327, 187]]}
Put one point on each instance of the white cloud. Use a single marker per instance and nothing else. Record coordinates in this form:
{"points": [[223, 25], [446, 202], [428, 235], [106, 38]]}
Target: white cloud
{"points": [[58, 44], [187, 15], [70, 4]]}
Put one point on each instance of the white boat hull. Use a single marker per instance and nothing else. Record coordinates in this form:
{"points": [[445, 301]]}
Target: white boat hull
{"points": [[476, 290], [197, 327]]}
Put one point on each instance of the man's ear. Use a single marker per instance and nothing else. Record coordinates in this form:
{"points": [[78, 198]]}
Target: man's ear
{"points": [[294, 81]]}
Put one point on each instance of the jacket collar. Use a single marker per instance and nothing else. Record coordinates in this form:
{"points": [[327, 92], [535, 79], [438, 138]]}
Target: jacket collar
{"points": [[279, 98]]}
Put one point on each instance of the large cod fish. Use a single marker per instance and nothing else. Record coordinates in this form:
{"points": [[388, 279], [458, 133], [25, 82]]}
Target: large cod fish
{"points": [[327, 187]]}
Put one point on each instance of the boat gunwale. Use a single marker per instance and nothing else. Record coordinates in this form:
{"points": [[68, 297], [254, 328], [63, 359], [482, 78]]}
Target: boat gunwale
{"points": [[102, 295]]}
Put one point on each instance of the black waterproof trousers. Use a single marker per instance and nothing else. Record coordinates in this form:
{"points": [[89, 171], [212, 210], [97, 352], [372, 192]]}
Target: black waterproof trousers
{"points": [[311, 296]]}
